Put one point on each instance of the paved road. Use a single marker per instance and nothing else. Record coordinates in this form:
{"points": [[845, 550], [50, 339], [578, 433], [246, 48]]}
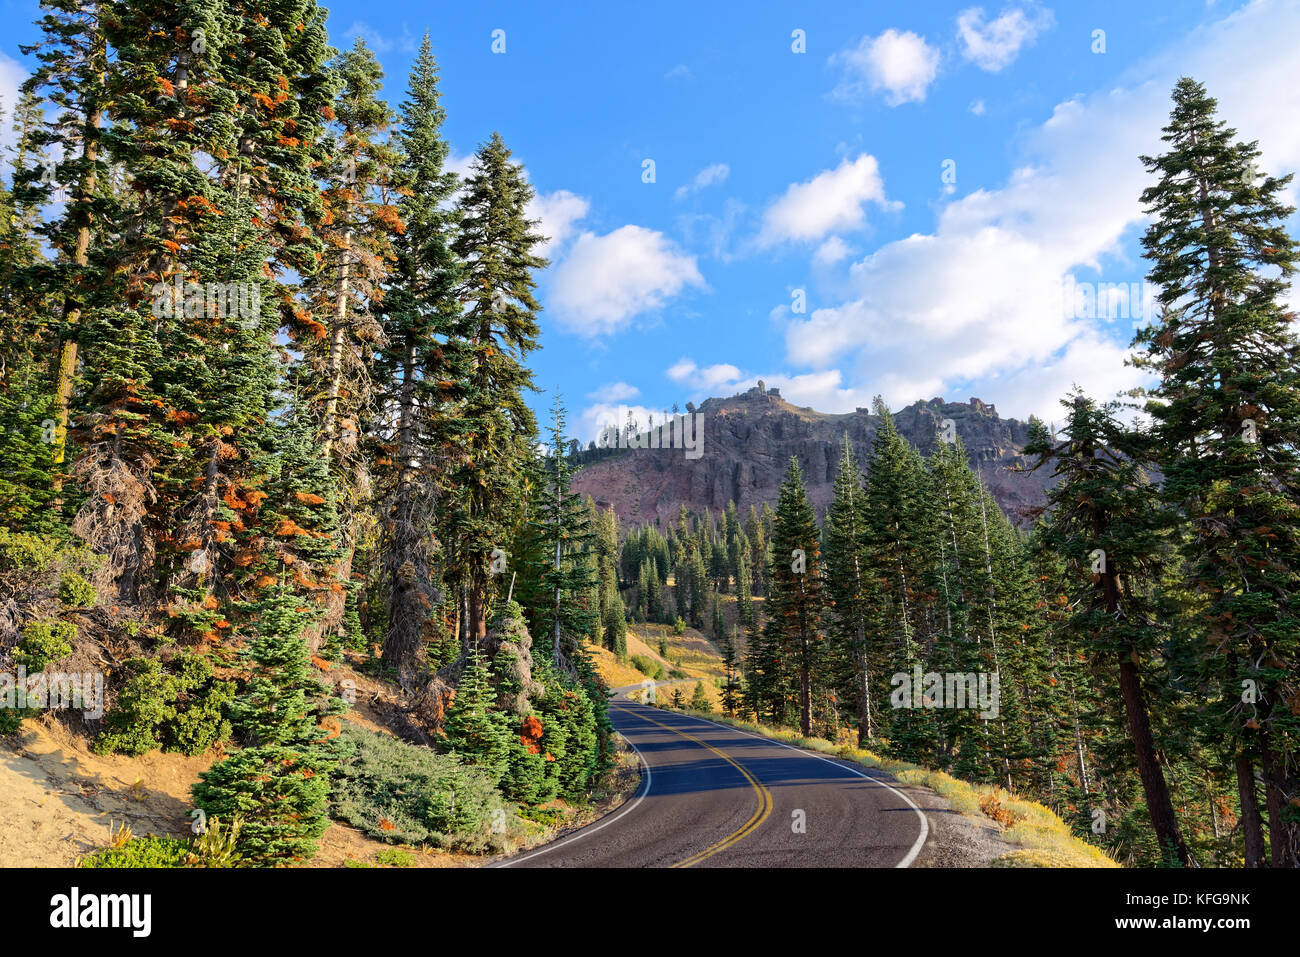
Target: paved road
{"points": [[715, 796]]}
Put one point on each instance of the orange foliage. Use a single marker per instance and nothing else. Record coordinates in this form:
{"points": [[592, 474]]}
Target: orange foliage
{"points": [[531, 733]]}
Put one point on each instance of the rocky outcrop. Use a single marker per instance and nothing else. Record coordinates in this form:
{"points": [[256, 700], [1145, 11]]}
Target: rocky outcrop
{"points": [[749, 438]]}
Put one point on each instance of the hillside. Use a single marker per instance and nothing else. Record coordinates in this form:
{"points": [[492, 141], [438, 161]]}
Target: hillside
{"points": [[749, 438]]}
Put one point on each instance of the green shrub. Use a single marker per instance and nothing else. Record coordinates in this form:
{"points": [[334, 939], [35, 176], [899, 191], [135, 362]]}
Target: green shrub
{"points": [[646, 666], [542, 815], [162, 708], [141, 852], [44, 642], [76, 591], [395, 857], [203, 723], [11, 719], [679, 627], [407, 794], [23, 550]]}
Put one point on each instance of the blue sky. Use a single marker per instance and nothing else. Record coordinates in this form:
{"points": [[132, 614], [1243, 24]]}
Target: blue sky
{"points": [[824, 172]]}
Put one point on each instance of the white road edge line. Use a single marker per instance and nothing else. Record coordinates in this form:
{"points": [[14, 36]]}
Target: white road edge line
{"points": [[925, 822], [592, 829]]}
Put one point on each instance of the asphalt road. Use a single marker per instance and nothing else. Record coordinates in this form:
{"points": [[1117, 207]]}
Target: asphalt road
{"points": [[715, 796]]}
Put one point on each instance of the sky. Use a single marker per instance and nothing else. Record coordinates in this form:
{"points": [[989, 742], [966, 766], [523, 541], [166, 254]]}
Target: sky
{"points": [[842, 199]]}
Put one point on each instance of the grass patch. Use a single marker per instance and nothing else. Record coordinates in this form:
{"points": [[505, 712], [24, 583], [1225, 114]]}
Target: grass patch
{"points": [[140, 852], [395, 857]]}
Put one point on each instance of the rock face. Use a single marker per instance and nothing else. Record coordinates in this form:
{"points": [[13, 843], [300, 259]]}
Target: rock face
{"points": [[748, 441]]}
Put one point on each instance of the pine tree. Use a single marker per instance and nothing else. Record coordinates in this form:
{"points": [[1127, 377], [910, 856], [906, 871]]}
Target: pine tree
{"points": [[847, 584], [499, 326], [74, 63], [474, 729], [892, 534], [796, 586], [565, 576], [279, 784], [700, 699], [341, 327], [1102, 524], [1226, 436], [416, 369], [731, 684]]}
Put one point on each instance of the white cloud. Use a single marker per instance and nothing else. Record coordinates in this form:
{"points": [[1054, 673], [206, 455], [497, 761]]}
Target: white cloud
{"points": [[559, 212], [680, 72], [686, 372], [614, 392], [713, 232], [606, 281], [12, 75], [709, 176], [832, 201], [994, 44], [823, 390], [381, 42], [831, 251], [900, 63], [977, 303], [977, 107]]}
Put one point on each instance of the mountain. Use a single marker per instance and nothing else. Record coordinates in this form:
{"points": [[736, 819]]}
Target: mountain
{"points": [[748, 440]]}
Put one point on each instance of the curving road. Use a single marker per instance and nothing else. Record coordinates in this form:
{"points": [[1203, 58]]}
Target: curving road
{"points": [[716, 796]]}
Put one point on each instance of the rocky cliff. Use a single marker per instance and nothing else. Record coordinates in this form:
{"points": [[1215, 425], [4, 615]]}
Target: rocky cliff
{"points": [[749, 438]]}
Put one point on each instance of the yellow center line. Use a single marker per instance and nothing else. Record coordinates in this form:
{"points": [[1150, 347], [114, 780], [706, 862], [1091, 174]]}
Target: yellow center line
{"points": [[760, 813]]}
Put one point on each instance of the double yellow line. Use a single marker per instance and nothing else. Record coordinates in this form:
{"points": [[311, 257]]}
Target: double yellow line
{"points": [[759, 816]]}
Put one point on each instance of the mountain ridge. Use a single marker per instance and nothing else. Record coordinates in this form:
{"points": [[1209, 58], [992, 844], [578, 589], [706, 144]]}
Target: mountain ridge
{"points": [[749, 438]]}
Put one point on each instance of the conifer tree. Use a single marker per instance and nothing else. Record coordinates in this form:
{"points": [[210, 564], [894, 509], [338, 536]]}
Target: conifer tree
{"points": [[731, 684], [847, 584], [496, 245], [74, 63], [1226, 436], [1102, 524], [561, 525], [416, 370], [341, 327], [279, 783], [796, 586], [474, 729]]}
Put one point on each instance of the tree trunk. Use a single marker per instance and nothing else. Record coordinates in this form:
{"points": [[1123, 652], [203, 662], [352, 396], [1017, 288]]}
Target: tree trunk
{"points": [[1280, 833], [1252, 828], [1159, 805]]}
